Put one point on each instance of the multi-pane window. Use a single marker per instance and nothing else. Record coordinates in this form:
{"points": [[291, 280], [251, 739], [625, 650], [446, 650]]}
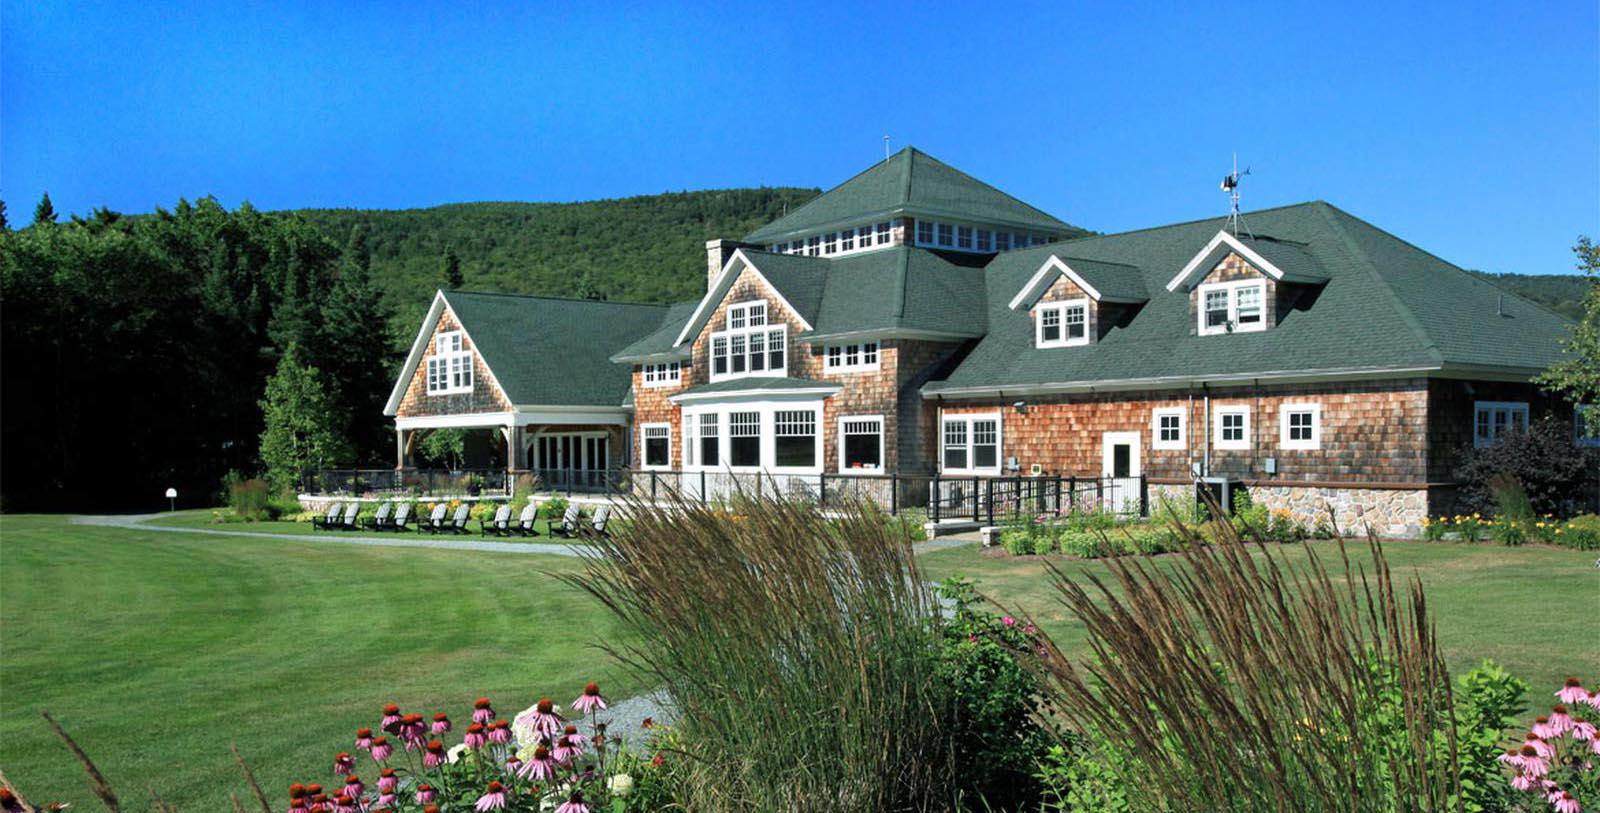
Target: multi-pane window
{"points": [[985, 240], [657, 441], [861, 444], [847, 357], [813, 244], [1300, 426], [662, 374], [925, 232], [947, 234], [1060, 324], [847, 240], [450, 366], [1493, 420], [971, 443], [710, 440], [795, 438], [964, 237], [883, 234], [1002, 241], [1166, 428], [744, 439], [1232, 428], [749, 345], [1232, 307], [1584, 432], [830, 243]]}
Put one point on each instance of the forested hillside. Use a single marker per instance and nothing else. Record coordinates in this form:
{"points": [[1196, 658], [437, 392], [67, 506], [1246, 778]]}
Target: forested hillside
{"points": [[640, 249], [1562, 293]]}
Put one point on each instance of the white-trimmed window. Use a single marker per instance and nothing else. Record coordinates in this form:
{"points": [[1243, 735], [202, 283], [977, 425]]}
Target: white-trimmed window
{"points": [[749, 345], [1232, 307], [883, 234], [947, 234], [970, 444], [1581, 433], [655, 445], [985, 240], [813, 245], [1062, 324], [861, 443], [794, 438], [847, 240], [709, 440], [1493, 419], [1002, 241], [450, 366], [845, 358], [1300, 426], [662, 374], [1167, 427], [744, 439], [1232, 429], [925, 232]]}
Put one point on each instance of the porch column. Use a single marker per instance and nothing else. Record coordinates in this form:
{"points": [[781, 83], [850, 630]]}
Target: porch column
{"points": [[513, 448], [399, 448]]}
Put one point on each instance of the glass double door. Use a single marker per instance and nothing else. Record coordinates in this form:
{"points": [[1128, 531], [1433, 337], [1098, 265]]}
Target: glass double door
{"points": [[575, 459]]}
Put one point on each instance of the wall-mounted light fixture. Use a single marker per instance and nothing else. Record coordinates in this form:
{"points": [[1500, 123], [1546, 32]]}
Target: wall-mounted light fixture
{"points": [[1021, 407]]}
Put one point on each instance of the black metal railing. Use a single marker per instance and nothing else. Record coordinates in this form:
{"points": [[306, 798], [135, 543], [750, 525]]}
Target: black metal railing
{"points": [[360, 482]]}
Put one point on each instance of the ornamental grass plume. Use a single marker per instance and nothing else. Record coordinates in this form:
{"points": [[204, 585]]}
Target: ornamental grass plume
{"points": [[1224, 680], [799, 650]]}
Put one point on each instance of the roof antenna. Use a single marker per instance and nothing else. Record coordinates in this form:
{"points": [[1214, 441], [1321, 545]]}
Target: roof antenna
{"points": [[1230, 184], [885, 148]]}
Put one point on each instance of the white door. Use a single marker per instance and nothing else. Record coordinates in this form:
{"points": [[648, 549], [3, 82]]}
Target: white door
{"points": [[1119, 470]]}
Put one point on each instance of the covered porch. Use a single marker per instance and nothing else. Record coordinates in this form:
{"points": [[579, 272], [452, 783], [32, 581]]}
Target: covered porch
{"points": [[552, 448]]}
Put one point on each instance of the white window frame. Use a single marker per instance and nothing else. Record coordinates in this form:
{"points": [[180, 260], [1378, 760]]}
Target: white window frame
{"points": [[1509, 408], [771, 332], [661, 374], [766, 411], [839, 463], [1060, 309], [970, 418], [836, 358], [1580, 431], [1232, 290], [1156, 441], [644, 441], [1284, 411], [450, 365], [1217, 441]]}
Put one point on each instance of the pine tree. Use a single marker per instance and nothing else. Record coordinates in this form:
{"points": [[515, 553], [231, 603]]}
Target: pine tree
{"points": [[45, 212], [355, 326], [302, 423], [4, 225], [452, 269]]}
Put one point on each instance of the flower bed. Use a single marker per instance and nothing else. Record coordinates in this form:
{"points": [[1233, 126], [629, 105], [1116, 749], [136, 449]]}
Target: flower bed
{"points": [[1581, 532]]}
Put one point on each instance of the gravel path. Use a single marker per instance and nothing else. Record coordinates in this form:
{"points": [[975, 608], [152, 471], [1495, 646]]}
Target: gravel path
{"points": [[140, 522]]}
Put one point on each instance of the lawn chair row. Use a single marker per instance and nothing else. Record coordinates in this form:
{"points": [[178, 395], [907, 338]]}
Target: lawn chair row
{"points": [[347, 517], [396, 517], [570, 525]]}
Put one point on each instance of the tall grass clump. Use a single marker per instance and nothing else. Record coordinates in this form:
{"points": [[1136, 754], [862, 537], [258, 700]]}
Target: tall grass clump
{"points": [[1223, 680], [800, 651]]}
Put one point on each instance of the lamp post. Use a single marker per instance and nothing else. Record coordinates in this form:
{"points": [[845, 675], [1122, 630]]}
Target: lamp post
{"points": [[172, 499]]}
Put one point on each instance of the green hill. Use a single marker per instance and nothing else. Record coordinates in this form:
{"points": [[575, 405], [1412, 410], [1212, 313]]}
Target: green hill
{"points": [[1562, 293]]}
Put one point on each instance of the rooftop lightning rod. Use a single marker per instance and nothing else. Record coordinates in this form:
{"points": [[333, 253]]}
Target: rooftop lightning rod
{"points": [[1230, 184]]}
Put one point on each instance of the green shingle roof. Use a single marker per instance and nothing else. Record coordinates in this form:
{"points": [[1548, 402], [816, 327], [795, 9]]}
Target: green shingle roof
{"points": [[902, 289], [547, 351], [1384, 305], [910, 182], [657, 344], [757, 383]]}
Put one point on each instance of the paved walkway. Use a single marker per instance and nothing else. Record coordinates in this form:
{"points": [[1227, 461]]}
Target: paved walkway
{"points": [[140, 522]]}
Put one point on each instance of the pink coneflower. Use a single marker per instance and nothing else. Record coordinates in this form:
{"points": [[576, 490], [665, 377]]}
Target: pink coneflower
{"points": [[321, 803], [1522, 782], [1030, 629], [412, 731], [482, 712], [1511, 757], [1567, 804], [513, 764], [493, 799], [353, 787], [574, 804], [426, 794], [342, 804], [297, 791], [381, 749], [387, 781], [571, 737], [590, 699], [500, 731], [1541, 749], [1541, 728], [387, 800], [1594, 746], [1008, 621], [435, 755], [542, 718], [1560, 722], [540, 767], [343, 763], [1572, 692], [1583, 730], [441, 723], [1593, 700], [313, 789], [972, 638], [475, 737], [364, 738], [1533, 764], [391, 718]]}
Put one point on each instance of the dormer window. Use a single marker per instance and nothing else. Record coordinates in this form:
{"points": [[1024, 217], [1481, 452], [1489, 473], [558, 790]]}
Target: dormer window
{"points": [[1232, 307], [1062, 324]]}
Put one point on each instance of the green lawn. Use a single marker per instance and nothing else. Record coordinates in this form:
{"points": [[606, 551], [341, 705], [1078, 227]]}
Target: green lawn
{"points": [[156, 649], [1533, 609]]}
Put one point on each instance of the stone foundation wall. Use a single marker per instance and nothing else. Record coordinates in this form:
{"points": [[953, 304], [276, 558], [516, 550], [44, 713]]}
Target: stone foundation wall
{"points": [[1391, 512]]}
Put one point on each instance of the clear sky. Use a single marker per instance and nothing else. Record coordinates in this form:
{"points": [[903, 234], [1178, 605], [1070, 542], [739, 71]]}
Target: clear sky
{"points": [[1471, 129]]}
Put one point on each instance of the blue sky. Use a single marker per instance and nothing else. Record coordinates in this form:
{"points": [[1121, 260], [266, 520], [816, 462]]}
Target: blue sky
{"points": [[1471, 129]]}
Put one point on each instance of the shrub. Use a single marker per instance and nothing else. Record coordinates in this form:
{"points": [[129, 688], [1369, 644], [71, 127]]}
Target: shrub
{"points": [[1016, 542], [1489, 699], [1085, 544], [484, 510], [1509, 532], [801, 651], [1510, 500], [1434, 530], [250, 500], [1237, 683], [1044, 543], [1077, 778], [1581, 532], [553, 508], [1553, 471]]}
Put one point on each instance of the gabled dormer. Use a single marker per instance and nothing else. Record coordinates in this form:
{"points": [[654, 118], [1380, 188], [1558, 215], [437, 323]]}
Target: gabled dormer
{"points": [[1073, 301], [1245, 284]]}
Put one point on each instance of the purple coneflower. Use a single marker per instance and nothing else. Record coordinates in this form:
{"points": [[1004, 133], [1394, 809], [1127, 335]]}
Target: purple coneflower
{"points": [[426, 794], [1566, 804], [475, 737], [1533, 764], [590, 699], [1560, 722], [391, 718], [574, 804], [1511, 757], [441, 723], [1008, 621], [500, 731], [353, 787], [542, 718], [482, 712], [540, 767], [1541, 749], [387, 800], [321, 803], [342, 804], [343, 763], [1583, 730], [513, 764], [435, 755], [1572, 692], [493, 799], [387, 781], [412, 728], [364, 738], [568, 745], [1541, 728], [381, 749]]}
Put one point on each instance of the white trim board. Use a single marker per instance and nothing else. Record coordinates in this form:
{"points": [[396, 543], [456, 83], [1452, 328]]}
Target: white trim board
{"points": [[439, 307], [1041, 281], [1238, 246], [716, 287]]}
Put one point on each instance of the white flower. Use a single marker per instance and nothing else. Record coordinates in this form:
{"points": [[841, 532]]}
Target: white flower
{"points": [[454, 754], [620, 785]]}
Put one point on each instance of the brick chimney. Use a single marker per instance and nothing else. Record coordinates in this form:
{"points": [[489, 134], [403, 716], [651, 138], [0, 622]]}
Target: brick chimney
{"points": [[717, 253]]}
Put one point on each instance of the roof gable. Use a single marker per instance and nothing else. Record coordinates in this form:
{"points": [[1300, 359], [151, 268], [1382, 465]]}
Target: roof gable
{"points": [[796, 281], [909, 182], [1282, 260], [1102, 281]]}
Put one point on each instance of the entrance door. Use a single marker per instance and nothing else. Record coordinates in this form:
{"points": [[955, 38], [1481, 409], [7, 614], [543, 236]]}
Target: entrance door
{"points": [[577, 460], [1119, 468]]}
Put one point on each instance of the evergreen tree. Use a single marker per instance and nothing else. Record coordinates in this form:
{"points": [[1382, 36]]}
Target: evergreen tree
{"points": [[45, 212], [1578, 377], [302, 423], [355, 325], [452, 269], [4, 225]]}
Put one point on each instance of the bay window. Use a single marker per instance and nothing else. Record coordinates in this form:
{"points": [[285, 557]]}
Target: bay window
{"points": [[710, 440], [744, 439]]}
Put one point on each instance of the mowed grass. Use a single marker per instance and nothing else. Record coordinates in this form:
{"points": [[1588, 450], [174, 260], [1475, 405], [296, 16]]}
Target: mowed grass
{"points": [[157, 649], [1532, 609]]}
